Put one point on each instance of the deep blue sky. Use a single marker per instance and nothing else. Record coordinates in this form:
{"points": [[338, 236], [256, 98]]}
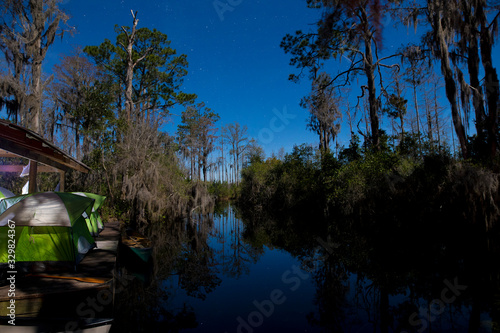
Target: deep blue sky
{"points": [[235, 63]]}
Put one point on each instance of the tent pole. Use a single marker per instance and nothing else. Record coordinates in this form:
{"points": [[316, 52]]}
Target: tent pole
{"points": [[32, 176]]}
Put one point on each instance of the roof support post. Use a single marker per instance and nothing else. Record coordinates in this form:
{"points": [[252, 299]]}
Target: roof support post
{"points": [[32, 177], [61, 181]]}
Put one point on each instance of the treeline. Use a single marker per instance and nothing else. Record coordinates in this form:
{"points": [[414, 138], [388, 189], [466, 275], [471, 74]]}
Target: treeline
{"points": [[106, 104], [390, 186], [212, 153]]}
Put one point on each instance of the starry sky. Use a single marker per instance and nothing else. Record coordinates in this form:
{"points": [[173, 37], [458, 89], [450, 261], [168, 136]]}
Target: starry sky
{"points": [[235, 63]]}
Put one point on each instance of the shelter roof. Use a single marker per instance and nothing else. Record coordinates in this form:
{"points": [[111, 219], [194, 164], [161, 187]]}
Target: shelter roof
{"points": [[17, 141]]}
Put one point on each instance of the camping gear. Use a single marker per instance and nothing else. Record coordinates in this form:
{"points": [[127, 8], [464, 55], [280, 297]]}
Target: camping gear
{"points": [[49, 229], [5, 193], [94, 222], [52, 295]]}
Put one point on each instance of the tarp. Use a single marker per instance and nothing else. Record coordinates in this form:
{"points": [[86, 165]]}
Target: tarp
{"points": [[94, 221], [5, 193], [49, 227], [26, 171]]}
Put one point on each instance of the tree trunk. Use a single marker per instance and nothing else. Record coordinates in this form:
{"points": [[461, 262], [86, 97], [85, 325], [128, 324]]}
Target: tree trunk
{"points": [[417, 114], [429, 122], [77, 143], [321, 138], [35, 98], [372, 92], [192, 166], [491, 79], [223, 162], [401, 117], [451, 89], [129, 103], [470, 22], [199, 166], [205, 162], [477, 93], [36, 53], [436, 116]]}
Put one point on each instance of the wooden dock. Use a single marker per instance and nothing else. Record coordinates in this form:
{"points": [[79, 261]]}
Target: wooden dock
{"points": [[66, 294]]}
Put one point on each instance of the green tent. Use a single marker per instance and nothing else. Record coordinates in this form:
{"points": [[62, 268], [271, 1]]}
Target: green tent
{"points": [[94, 222], [5, 193], [49, 229]]}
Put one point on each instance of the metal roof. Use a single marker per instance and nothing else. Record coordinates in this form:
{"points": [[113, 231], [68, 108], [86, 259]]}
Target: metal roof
{"points": [[17, 141]]}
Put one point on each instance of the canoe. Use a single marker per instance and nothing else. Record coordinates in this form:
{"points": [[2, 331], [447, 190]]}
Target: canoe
{"points": [[137, 244]]}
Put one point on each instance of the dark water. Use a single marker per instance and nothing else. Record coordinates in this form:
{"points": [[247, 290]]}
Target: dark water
{"points": [[223, 274]]}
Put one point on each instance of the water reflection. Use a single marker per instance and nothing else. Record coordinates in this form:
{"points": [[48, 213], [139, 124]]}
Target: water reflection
{"points": [[234, 253], [396, 275], [217, 273]]}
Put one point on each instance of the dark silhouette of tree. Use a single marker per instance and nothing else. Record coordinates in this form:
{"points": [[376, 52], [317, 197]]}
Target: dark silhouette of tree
{"points": [[458, 28], [475, 34], [441, 21], [323, 104], [347, 28]]}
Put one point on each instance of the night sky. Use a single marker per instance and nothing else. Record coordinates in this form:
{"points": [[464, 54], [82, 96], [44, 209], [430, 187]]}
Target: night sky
{"points": [[235, 63]]}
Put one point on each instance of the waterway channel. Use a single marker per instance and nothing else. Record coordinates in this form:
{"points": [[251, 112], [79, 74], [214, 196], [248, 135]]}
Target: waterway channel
{"points": [[219, 273]]}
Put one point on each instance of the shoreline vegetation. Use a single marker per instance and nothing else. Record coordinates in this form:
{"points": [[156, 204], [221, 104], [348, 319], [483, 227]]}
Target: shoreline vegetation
{"points": [[362, 185]]}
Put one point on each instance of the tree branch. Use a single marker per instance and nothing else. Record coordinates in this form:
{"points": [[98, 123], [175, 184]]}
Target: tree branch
{"points": [[493, 21], [146, 53]]}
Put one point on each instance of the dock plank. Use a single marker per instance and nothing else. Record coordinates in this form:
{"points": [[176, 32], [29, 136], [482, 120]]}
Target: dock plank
{"points": [[33, 292]]}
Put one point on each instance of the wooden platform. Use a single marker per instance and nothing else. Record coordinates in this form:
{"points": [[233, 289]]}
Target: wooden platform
{"points": [[63, 293]]}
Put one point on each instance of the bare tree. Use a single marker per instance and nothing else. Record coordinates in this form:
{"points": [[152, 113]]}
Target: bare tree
{"points": [[236, 137], [131, 63], [323, 104], [222, 161], [415, 74], [197, 137]]}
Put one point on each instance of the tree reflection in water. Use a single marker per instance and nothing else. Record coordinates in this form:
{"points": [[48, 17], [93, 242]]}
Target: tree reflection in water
{"points": [[195, 253], [234, 253], [390, 275], [406, 274], [196, 263]]}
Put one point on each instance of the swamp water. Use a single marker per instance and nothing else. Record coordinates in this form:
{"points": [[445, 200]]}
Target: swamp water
{"points": [[222, 274]]}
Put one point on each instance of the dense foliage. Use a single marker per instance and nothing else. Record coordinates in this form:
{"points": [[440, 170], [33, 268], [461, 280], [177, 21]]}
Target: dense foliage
{"points": [[369, 185]]}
